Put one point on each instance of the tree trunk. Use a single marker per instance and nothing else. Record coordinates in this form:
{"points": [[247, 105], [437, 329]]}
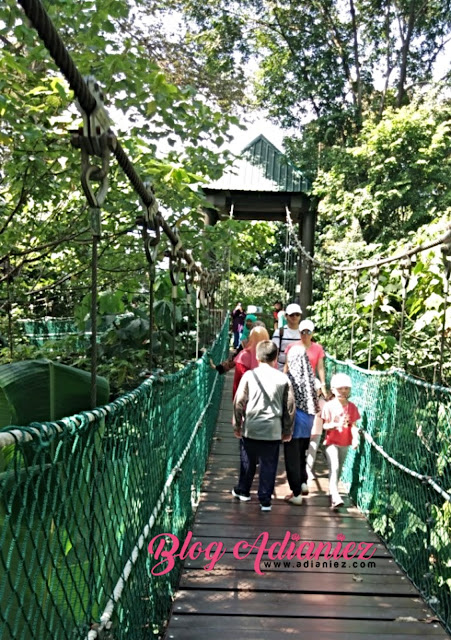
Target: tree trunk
{"points": [[357, 64], [406, 40]]}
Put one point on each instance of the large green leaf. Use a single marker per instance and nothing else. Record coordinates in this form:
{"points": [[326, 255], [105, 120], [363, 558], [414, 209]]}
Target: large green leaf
{"points": [[42, 390]]}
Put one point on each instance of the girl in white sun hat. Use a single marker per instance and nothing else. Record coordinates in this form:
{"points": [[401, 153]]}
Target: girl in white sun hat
{"points": [[340, 417]]}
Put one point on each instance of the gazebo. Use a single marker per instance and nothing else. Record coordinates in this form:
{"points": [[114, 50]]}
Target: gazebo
{"points": [[260, 185]]}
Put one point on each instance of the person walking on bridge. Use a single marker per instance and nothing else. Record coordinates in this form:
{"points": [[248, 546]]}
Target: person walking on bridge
{"points": [[340, 417], [301, 376], [247, 358], [285, 336], [238, 317], [263, 413], [315, 353]]}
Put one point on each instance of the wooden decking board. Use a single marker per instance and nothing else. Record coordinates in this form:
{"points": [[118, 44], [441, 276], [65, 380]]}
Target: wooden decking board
{"points": [[243, 532], [300, 582], [292, 626], [286, 514], [229, 543], [233, 601], [182, 633], [298, 605], [384, 566]]}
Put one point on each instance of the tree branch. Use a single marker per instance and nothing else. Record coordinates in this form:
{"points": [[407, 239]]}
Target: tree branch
{"points": [[316, 108], [337, 40], [18, 206]]}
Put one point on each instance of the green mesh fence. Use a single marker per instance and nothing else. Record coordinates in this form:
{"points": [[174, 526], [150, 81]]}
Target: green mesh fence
{"points": [[82, 497], [39, 331], [400, 476]]}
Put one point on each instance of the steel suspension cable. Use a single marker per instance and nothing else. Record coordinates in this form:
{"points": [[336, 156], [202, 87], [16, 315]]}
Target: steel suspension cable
{"points": [[327, 266], [443, 331], [405, 276], [374, 283], [355, 284], [41, 21]]}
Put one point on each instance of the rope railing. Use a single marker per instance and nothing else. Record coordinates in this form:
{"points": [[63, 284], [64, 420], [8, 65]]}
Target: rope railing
{"points": [[81, 496], [400, 476], [414, 474], [444, 240], [106, 616]]}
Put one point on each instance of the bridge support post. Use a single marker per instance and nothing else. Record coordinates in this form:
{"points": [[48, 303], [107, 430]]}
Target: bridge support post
{"points": [[307, 223]]}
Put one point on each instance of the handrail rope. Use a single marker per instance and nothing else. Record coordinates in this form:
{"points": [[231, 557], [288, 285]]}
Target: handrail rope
{"points": [[445, 239], [117, 591], [389, 372], [54, 44], [22, 434], [370, 439], [414, 474]]}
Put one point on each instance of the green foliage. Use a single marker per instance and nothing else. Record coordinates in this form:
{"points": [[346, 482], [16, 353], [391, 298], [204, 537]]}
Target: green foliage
{"points": [[395, 178], [171, 133], [255, 289], [44, 221], [336, 315], [339, 62]]}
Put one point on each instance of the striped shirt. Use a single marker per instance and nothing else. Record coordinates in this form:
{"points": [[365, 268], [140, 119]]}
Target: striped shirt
{"points": [[289, 336]]}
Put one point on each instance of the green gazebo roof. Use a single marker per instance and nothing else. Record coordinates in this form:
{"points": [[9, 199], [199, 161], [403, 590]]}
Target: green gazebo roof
{"points": [[262, 167]]}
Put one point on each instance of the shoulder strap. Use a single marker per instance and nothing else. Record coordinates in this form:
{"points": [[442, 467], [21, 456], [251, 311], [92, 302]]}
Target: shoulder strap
{"points": [[280, 338], [258, 381]]}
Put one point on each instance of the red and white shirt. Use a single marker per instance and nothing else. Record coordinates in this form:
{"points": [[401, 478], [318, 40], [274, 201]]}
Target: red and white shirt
{"points": [[339, 419]]}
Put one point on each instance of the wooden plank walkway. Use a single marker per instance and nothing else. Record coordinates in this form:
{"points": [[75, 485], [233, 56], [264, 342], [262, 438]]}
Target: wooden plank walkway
{"points": [[344, 602]]}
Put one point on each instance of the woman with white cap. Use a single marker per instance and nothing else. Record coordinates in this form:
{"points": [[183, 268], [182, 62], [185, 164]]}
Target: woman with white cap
{"points": [[289, 335], [315, 354], [302, 380], [340, 417]]}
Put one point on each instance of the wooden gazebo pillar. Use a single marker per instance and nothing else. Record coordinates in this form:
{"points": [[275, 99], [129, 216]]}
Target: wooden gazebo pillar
{"points": [[307, 223]]}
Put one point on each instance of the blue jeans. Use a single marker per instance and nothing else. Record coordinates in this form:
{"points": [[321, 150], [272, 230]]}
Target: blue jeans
{"points": [[266, 452]]}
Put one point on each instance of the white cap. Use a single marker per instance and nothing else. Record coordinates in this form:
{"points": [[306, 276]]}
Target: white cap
{"points": [[293, 308], [340, 380], [307, 324]]}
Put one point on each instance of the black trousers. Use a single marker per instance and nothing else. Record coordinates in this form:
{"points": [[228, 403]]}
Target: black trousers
{"points": [[295, 453], [266, 453]]}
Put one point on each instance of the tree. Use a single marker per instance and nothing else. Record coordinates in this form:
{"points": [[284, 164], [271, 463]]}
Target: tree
{"points": [[395, 178], [325, 58]]}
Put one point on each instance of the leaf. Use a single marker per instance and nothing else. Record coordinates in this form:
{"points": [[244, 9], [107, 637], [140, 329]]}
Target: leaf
{"points": [[426, 319]]}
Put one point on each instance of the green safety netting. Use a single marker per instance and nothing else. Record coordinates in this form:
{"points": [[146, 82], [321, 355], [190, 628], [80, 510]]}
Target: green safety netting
{"points": [[82, 497], [39, 331], [400, 476]]}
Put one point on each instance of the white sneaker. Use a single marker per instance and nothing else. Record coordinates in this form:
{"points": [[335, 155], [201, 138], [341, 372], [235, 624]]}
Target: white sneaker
{"points": [[265, 507], [304, 489], [240, 496], [297, 500]]}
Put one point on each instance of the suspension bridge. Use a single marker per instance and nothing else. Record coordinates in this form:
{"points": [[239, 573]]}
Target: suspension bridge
{"points": [[83, 496]]}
